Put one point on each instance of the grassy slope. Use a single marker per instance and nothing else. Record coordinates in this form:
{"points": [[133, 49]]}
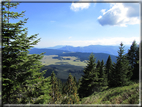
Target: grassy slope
{"points": [[119, 95]]}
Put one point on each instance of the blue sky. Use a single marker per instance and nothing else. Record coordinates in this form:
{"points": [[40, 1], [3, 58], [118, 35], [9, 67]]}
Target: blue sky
{"points": [[82, 24]]}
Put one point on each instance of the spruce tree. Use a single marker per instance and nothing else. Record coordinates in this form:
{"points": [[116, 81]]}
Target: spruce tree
{"points": [[122, 69], [79, 83], [75, 80], [70, 90], [113, 76], [103, 75], [89, 82], [21, 72], [98, 64], [133, 57], [60, 85], [55, 93], [108, 67]]}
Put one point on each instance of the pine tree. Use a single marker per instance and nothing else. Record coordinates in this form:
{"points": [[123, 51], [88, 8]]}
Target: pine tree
{"points": [[112, 76], [103, 75], [63, 89], [71, 91], [75, 80], [79, 83], [89, 82], [108, 67], [121, 69], [60, 85], [21, 71], [55, 93], [98, 64], [133, 57]]}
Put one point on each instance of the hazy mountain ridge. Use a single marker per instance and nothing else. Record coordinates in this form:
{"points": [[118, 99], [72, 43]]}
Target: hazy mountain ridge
{"points": [[56, 47], [112, 50], [47, 51]]}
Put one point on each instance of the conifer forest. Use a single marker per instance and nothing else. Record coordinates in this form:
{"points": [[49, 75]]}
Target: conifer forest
{"points": [[23, 82]]}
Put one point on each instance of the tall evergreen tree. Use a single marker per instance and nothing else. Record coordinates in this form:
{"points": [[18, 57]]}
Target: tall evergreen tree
{"points": [[60, 85], [71, 91], [79, 83], [103, 75], [89, 82], [98, 64], [108, 67], [133, 57], [21, 71], [75, 80], [121, 69], [55, 93], [113, 76]]}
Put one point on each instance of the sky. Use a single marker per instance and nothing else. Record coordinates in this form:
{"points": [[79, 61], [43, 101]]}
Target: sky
{"points": [[82, 24]]}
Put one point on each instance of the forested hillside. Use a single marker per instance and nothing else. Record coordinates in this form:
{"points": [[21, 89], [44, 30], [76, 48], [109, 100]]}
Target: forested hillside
{"points": [[23, 80]]}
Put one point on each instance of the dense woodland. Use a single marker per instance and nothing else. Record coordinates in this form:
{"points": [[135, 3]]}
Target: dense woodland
{"points": [[23, 83]]}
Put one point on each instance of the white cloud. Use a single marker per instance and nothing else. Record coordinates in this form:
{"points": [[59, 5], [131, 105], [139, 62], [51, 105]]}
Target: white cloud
{"points": [[103, 11], [78, 6], [121, 14], [103, 41]]}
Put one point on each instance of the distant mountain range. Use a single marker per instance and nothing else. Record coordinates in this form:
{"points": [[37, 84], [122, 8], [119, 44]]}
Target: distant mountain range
{"points": [[56, 47], [112, 50], [80, 55], [47, 51]]}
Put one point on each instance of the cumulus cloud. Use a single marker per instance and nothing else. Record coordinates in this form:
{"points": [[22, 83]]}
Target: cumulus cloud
{"points": [[103, 41], [79, 6], [120, 14]]}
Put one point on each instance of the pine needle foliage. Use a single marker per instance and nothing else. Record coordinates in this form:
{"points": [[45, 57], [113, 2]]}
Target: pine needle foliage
{"points": [[98, 64], [120, 72], [21, 76], [133, 57], [55, 93], [108, 67], [90, 80], [70, 90], [103, 74]]}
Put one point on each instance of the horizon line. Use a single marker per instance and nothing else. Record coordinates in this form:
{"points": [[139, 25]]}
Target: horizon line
{"points": [[76, 46]]}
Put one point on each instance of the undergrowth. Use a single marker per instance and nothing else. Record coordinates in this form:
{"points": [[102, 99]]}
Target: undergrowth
{"points": [[119, 95]]}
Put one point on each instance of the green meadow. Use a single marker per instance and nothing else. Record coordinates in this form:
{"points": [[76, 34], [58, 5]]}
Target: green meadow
{"points": [[62, 67], [66, 60]]}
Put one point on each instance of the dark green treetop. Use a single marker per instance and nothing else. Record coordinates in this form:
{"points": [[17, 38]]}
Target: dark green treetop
{"points": [[133, 57], [122, 69], [108, 67], [55, 93], [89, 82], [70, 90]]}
